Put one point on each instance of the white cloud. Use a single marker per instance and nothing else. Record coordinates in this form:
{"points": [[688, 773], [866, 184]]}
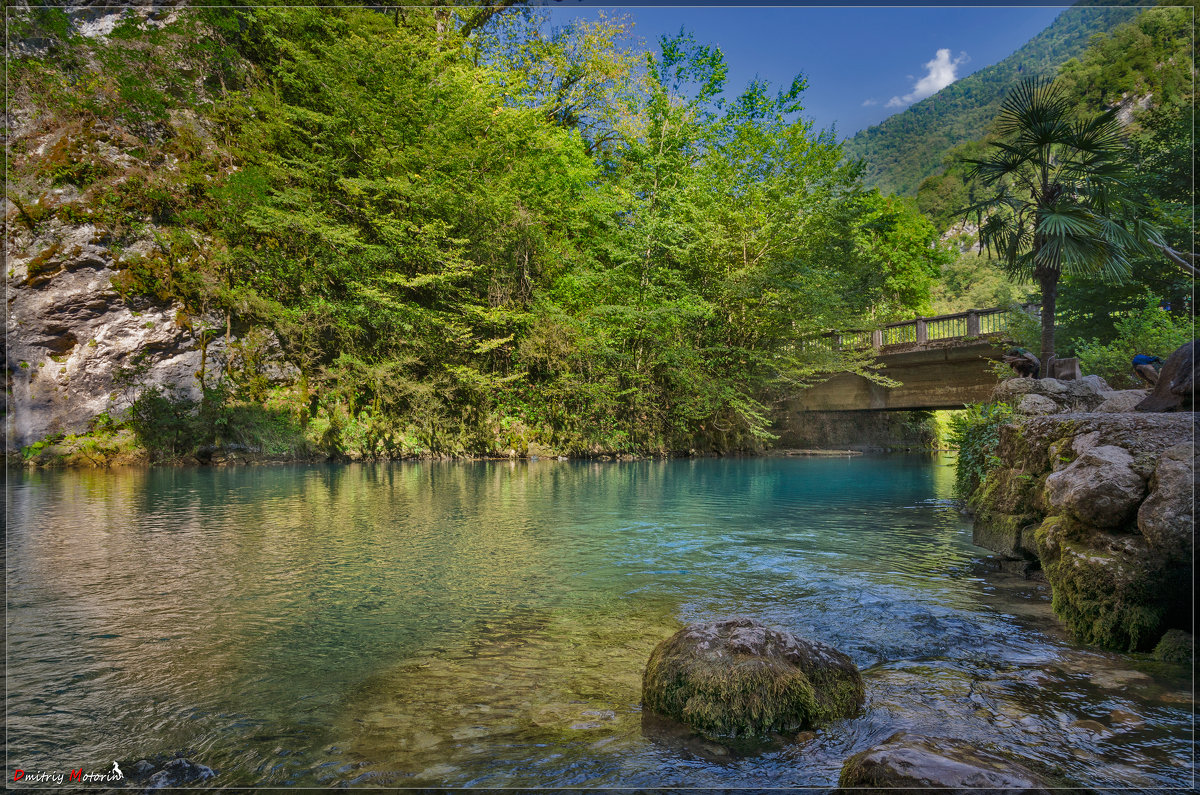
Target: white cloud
{"points": [[869, 102], [941, 72]]}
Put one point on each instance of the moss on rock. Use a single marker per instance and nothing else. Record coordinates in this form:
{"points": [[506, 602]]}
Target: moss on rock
{"points": [[1110, 590], [1176, 646], [737, 678], [1006, 533]]}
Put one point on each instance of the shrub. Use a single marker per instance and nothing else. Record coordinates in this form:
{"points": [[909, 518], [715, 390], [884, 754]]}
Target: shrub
{"points": [[1151, 330], [975, 434]]}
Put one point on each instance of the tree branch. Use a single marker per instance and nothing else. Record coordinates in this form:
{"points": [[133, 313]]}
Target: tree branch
{"points": [[1178, 258], [480, 18]]}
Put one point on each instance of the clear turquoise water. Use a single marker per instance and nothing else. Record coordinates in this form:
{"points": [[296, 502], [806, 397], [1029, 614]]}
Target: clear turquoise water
{"points": [[486, 624]]}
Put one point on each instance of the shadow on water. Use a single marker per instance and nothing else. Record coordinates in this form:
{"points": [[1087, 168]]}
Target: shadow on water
{"points": [[487, 624]]}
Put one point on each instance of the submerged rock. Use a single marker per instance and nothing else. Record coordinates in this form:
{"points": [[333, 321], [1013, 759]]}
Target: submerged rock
{"points": [[739, 678], [178, 772], [903, 761], [162, 773]]}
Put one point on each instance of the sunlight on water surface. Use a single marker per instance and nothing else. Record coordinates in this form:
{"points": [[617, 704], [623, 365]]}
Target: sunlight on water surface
{"points": [[487, 623]]}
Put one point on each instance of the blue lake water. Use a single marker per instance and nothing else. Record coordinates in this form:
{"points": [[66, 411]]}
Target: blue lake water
{"points": [[487, 624]]}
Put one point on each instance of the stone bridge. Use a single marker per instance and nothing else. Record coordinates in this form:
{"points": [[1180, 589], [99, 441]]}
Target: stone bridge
{"points": [[941, 363]]}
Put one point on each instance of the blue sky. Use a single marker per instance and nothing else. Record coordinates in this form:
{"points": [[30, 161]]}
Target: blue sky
{"points": [[862, 64]]}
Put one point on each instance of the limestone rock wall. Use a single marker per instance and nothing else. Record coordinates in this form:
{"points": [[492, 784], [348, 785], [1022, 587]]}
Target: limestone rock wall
{"points": [[75, 347], [70, 335], [1104, 500]]}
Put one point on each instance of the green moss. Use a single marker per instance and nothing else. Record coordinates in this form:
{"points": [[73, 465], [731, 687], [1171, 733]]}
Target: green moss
{"points": [[43, 264], [1176, 646], [1105, 597], [1005, 532], [70, 163], [745, 696], [1006, 491]]}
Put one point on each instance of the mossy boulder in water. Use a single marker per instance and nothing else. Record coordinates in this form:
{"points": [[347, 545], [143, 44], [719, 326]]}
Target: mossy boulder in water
{"points": [[739, 678], [1110, 589]]}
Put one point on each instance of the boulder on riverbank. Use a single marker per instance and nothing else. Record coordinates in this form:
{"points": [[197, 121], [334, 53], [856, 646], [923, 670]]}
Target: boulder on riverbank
{"points": [[1176, 646], [1176, 383], [739, 678], [1050, 395], [1103, 501], [906, 762]]}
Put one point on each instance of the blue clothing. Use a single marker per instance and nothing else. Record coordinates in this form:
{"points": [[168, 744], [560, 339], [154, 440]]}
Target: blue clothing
{"points": [[1142, 358]]}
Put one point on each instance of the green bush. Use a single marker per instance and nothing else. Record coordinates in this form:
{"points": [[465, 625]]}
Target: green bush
{"points": [[1024, 328], [173, 425], [975, 434], [1150, 330]]}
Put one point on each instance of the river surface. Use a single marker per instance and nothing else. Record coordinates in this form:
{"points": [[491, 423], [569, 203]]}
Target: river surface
{"points": [[486, 624]]}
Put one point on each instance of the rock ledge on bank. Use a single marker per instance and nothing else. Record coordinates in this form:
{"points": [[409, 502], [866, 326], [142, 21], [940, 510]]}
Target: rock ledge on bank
{"points": [[1104, 502]]}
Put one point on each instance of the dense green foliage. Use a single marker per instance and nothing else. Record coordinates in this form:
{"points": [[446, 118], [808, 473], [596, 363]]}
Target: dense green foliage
{"points": [[1147, 60], [974, 280], [463, 244], [1150, 330], [975, 434], [906, 148]]}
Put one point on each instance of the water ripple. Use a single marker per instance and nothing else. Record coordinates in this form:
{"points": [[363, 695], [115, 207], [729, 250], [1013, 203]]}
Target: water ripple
{"points": [[487, 624]]}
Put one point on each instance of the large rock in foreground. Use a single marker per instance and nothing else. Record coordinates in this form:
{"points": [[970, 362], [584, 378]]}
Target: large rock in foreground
{"points": [[739, 678], [903, 762]]}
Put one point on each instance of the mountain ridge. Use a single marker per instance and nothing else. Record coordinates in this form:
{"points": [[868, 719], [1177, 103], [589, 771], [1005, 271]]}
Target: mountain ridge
{"points": [[909, 146]]}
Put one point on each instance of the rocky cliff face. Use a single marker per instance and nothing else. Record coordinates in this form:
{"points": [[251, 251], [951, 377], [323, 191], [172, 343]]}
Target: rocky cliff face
{"points": [[1103, 499], [75, 347], [79, 339]]}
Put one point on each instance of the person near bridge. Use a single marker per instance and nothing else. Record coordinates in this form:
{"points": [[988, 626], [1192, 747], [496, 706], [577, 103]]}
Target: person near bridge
{"points": [[1147, 368], [1024, 363]]}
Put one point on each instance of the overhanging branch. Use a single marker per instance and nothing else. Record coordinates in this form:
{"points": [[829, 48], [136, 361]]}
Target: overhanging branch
{"points": [[1178, 258]]}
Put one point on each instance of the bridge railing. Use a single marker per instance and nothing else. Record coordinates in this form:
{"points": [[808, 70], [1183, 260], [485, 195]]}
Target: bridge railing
{"points": [[972, 323]]}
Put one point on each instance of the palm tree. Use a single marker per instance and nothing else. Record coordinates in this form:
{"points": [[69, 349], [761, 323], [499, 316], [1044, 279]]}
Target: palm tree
{"points": [[1059, 192]]}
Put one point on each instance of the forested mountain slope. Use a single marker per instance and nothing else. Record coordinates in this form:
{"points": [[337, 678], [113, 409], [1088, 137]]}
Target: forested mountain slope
{"points": [[909, 146], [1145, 68]]}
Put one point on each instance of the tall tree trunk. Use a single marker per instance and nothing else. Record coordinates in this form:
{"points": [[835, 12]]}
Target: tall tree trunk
{"points": [[1049, 283]]}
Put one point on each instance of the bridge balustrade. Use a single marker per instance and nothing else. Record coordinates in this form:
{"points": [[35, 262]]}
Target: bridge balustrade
{"points": [[970, 324]]}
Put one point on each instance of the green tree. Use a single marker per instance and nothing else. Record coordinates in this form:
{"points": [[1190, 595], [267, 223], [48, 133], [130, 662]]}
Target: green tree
{"points": [[1059, 195]]}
